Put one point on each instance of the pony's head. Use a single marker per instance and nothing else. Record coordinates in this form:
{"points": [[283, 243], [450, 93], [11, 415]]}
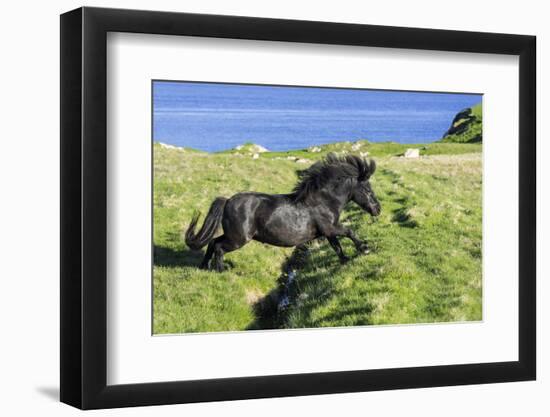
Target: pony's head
{"points": [[362, 193], [347, 176]]}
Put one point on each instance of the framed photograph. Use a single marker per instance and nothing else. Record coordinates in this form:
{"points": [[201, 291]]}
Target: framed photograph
{"points": [[257, 208]]}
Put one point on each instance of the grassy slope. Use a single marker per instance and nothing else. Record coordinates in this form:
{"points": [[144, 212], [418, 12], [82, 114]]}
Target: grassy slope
{"points": [[473, 133], [384, 149], [425, 264]]}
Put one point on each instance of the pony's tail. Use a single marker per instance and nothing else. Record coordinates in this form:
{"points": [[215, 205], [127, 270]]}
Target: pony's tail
{"points": [[209, 227]]}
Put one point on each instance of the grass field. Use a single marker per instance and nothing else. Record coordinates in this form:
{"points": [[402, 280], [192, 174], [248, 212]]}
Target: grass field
{"points": [[424, 265]]}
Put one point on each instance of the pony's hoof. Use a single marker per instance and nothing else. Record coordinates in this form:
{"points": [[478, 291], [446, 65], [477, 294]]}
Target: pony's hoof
{"points": [[344, 260], [220, 267], [363, 249]]}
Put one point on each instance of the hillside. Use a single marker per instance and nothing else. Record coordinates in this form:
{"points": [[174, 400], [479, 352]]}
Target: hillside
{"points": [[424, 265], [466, 127]]}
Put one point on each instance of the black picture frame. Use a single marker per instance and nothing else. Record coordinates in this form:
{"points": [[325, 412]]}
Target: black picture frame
{"points": [[84, 207]]}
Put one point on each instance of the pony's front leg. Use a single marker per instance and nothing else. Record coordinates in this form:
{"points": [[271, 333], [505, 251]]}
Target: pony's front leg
{"points": [[335, 243], [360, 245]]}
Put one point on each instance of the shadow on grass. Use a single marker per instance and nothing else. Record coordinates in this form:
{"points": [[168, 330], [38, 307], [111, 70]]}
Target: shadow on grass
{"points": [[272, 310], [401, 215], [346, 312], [169, 257], [392, 175], [268, 308]]}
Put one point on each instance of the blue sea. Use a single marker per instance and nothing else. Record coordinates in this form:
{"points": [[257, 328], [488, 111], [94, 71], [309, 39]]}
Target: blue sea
{"points": [[214, 117]]}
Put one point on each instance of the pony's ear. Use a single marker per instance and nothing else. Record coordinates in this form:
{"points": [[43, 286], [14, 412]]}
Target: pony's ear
{"points": [[372, 167], [364, 169], [331, 158]]}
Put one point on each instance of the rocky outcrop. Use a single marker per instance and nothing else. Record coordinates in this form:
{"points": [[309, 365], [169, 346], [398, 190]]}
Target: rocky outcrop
{"points": [[466, 126]]}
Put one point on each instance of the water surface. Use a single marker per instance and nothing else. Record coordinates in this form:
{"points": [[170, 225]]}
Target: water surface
{"points": [[214, 117]]}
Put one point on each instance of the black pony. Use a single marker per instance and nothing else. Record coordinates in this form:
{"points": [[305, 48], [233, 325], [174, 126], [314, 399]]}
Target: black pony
{"points": [[311, 211]]}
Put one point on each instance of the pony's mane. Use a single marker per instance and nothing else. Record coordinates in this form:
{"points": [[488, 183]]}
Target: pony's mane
{"points": [[332, 167]]}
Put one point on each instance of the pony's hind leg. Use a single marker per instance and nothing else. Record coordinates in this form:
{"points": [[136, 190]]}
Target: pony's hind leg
{"points": [[207, 256], [223, 245]]}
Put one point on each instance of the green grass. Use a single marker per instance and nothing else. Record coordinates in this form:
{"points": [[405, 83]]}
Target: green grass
{"points": [[424, 265], [379, 149]]}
